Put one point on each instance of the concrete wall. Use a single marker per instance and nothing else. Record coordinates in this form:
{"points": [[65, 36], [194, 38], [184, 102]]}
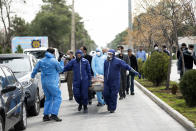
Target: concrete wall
{"points": [[188, 40]]}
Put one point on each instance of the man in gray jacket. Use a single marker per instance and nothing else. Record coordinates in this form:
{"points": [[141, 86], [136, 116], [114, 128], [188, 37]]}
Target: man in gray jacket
{"points": [[123, 72]]}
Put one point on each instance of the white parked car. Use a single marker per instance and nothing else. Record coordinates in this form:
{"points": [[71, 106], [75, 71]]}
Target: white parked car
{"points": [[39, 53]]}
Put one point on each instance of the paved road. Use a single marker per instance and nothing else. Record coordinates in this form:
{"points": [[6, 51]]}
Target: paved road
{"points": [[136, 113]]}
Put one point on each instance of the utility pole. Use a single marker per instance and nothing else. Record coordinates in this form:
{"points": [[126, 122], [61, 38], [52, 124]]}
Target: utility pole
{"points": [[130, 23], [73, 46]]}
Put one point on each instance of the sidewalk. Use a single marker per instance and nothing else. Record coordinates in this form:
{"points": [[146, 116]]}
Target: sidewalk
{"points": [[135, 113]]}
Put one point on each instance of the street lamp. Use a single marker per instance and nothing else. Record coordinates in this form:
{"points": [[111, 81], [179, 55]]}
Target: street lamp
{"points": [[73, 46], [130, 21]]}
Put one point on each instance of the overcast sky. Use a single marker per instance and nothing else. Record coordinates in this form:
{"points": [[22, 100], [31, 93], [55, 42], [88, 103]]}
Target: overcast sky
{"points": [[103, 18]]}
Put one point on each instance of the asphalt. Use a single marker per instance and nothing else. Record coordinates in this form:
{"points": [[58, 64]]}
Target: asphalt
{"points": [[135, 113]]}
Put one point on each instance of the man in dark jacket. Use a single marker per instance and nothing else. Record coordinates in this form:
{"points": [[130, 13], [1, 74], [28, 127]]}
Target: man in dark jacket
{"points": [[91, 94], [179, 63], [112, 67], [165, 50], [188, 58], [133, 63], [82, 79], [123, 80]]}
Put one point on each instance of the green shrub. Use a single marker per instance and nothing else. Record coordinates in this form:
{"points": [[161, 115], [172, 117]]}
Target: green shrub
{"points": [[140, 66], [156, 67], [19, 49], [188, 87]]}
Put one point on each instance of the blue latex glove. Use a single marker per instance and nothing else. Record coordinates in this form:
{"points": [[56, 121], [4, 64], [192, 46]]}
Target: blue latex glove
{"points": [[139, 76]]}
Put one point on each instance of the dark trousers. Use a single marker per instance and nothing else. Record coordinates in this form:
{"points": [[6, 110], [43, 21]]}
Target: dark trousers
{"points": [[70, 83], [130, 83], [123, 86]]}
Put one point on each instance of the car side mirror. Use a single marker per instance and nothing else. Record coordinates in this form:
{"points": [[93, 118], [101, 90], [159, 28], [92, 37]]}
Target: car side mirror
{"points": [[8, 89]]}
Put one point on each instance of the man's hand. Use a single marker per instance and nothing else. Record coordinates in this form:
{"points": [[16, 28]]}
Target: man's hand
{"points": [[32, 80], [127, 73]]}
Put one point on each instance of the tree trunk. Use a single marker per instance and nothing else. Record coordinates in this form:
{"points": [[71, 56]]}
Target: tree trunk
{"points": [[169, 69]]}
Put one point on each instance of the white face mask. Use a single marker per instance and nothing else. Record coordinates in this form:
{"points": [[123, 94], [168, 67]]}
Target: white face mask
{"points": [[68, 56], [119, 51], [156, 48], [98, 53], [109, 56], [191, 51]]}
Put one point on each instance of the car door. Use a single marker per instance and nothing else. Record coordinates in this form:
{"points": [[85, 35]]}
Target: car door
{"points": [[9, 101], [14, 103], [38, 79]]}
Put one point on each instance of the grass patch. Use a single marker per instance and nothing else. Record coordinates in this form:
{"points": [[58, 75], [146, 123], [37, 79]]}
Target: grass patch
{"points": [[175, 101]]}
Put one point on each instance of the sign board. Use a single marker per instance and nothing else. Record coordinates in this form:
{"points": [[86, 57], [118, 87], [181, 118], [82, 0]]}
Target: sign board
{"points": [[27, 42]]}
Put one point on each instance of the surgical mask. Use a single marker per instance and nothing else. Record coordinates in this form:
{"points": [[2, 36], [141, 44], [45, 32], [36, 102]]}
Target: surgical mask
{"points": [[98, 53], [119, 51], [109, 57], [68, 56], [156, 48], [191, 51]]}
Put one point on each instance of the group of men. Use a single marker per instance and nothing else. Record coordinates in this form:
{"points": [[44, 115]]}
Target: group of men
{"points": [[189, 56], [115, 69]]}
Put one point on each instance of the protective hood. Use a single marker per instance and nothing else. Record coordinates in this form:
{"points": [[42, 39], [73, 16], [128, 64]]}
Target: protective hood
{"points": [[79, 52], [112, 51], [99, 50], [49, 55]]}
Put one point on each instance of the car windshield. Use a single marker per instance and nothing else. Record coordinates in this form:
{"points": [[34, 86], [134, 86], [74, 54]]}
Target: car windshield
{"points": [[17, 65], [38, 54]]}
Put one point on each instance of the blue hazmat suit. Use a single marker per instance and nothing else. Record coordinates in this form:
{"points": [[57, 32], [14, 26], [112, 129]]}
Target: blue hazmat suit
{"points": [[112, 79], [50, 69], [98, 69], [82, 78]]}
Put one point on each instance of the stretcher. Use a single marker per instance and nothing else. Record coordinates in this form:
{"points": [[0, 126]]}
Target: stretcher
{"points": [[97, 83]]}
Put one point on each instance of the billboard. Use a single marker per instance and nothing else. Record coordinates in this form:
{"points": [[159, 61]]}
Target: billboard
{"points": [[27, 42]]}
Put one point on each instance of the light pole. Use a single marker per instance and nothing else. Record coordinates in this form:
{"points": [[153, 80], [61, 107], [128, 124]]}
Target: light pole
{"points": [[73, 46], [130, 21]]}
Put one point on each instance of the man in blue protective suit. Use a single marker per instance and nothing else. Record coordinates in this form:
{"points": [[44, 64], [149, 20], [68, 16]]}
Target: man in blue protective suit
{"points": [[50, 69], [98, 69], [82, 79], [112, 68]]}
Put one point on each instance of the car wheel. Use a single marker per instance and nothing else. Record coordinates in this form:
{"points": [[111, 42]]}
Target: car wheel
{"points": [[1, 124], [35, 109], [22, 124]]}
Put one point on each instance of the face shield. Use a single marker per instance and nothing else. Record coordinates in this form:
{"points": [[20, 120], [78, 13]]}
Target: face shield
{"points": [[98, 53], [109, 56]]}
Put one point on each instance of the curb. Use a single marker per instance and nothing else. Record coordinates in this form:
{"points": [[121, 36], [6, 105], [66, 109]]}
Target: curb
{"points": [[173, 113]]}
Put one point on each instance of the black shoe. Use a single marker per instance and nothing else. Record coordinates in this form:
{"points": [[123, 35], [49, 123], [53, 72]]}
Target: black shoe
{"points": [[99, 104], [111, 111], [85, 109], [120, 98], [56, 118], [127, 93], [90, 102], [80, 107], [46, 118], [70, 99], [108, 108], [132, 93]]}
